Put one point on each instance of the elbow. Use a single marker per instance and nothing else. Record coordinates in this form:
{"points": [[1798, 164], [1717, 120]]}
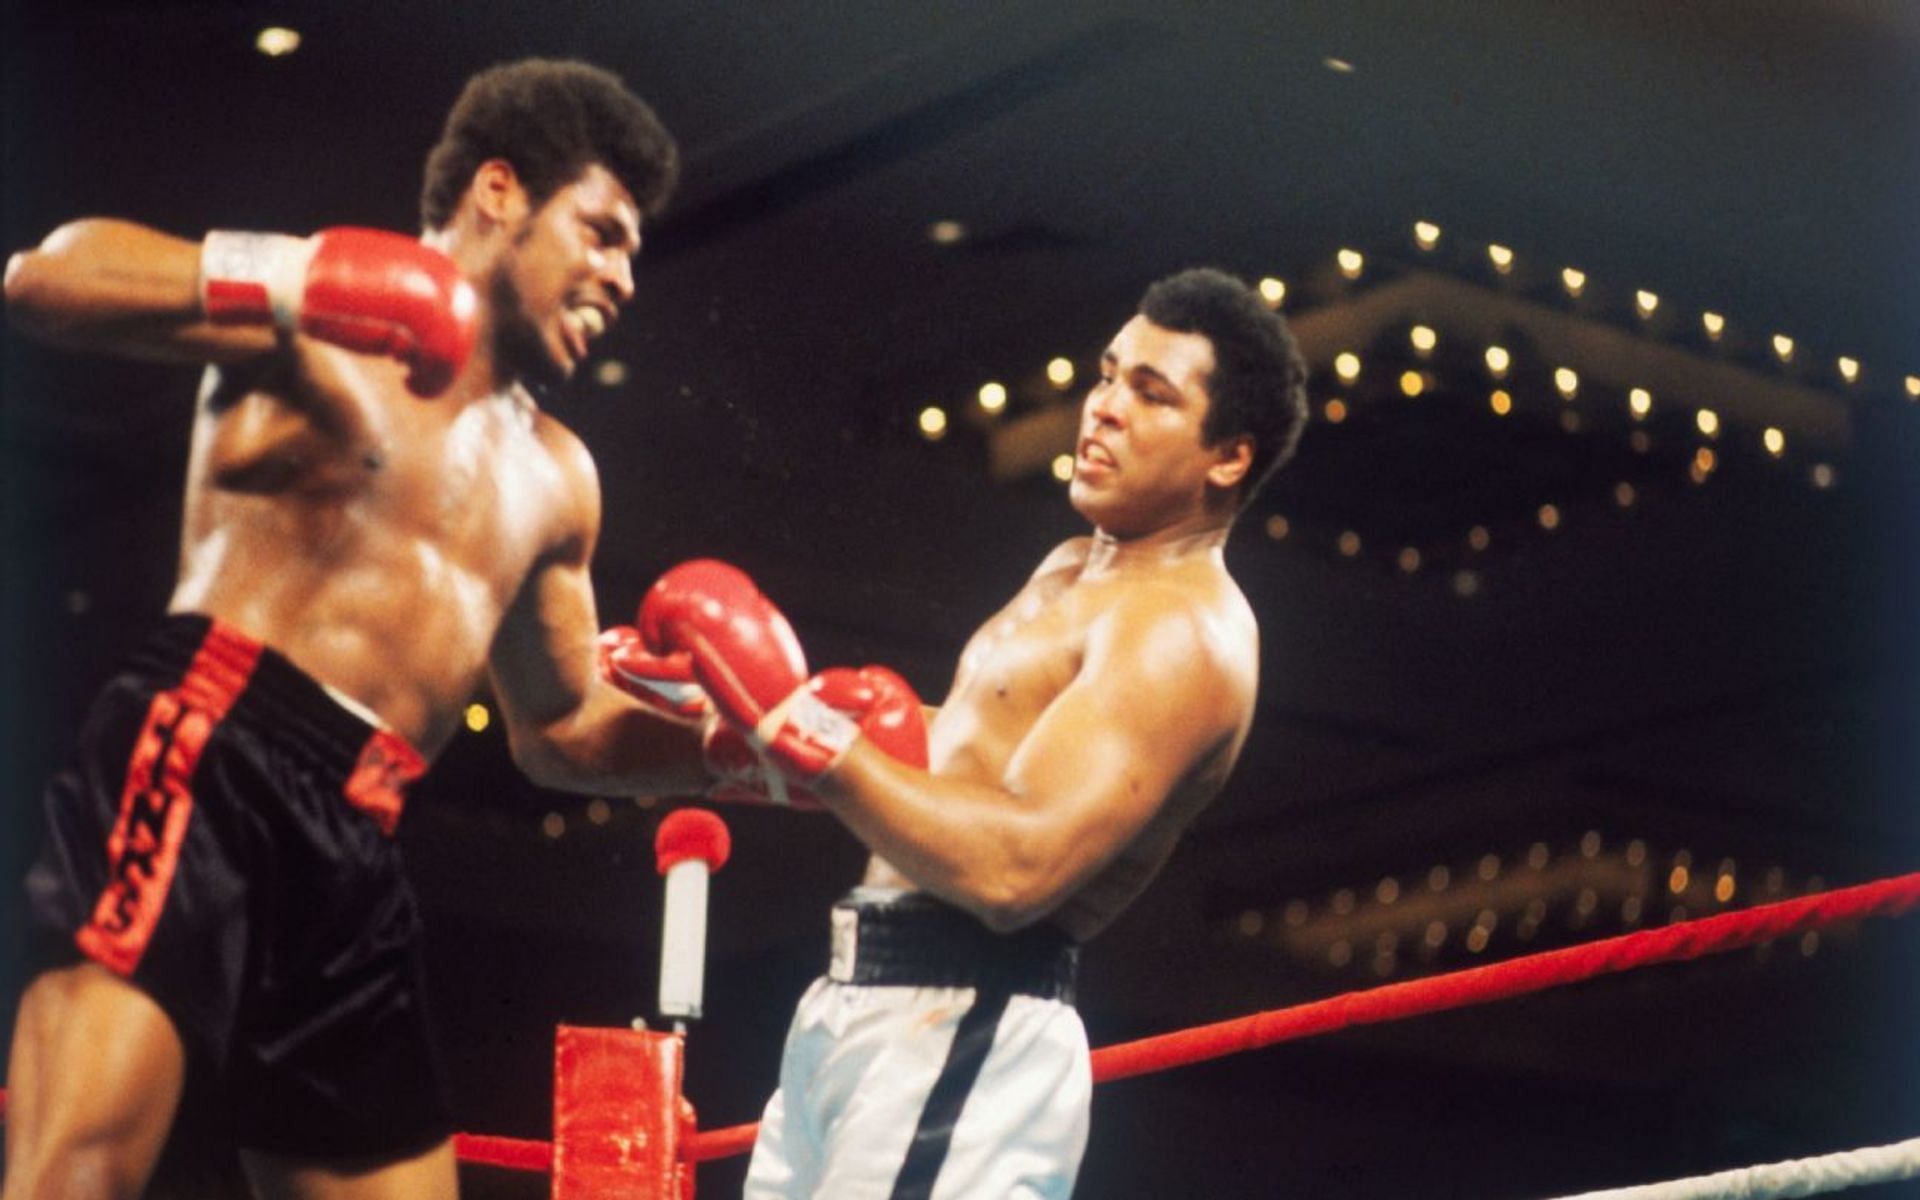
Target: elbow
{"points": [[1009, 918], [42, 297], [542, 761], [544, 772], [1016, 898], [30, 307]]}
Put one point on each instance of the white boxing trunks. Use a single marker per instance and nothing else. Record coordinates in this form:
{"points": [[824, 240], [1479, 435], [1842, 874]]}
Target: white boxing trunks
{"points": [[936, 1060]]}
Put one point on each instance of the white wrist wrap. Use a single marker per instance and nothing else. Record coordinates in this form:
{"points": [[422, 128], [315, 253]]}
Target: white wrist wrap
{"points": [[254, 276], [807, 733]]}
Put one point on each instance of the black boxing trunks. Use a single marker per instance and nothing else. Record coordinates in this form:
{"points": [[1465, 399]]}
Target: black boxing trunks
{"points": [[223, 840]]}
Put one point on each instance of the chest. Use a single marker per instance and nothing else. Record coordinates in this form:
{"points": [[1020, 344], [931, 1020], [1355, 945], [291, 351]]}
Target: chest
{"points": [[350, 467], [1028, 652], [480, 479]]}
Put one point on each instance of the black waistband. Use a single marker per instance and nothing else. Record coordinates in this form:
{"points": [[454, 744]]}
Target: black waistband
{"points": [[914, 940], [279, 700]]}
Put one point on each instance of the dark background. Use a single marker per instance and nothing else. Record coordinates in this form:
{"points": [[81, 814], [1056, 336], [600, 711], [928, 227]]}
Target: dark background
{"points": [[1720, 675]]}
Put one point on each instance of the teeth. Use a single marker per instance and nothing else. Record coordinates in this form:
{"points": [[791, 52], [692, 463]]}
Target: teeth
{"points": [[592, 320]]}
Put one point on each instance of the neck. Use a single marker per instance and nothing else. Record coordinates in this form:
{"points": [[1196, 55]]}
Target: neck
{"points": [[483, 375], [1202, 537]]}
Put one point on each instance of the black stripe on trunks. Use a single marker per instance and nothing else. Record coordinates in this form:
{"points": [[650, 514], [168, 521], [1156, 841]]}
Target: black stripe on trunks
{"points": [[927, 1153]]}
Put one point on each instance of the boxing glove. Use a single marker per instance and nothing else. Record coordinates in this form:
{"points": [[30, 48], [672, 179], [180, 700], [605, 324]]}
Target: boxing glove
{"points": [[872, 702], [662, 682], [744, 654], [367, 290], [882, 706], [741, 648]]}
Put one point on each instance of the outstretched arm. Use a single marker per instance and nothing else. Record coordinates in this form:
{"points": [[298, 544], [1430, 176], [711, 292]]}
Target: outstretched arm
{"points": [[122, 288], [119, 288], [1147, 709]]}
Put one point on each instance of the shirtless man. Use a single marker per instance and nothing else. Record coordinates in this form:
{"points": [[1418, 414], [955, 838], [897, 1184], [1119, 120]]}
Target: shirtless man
{"points": [[1089, 722], [219, 909]]}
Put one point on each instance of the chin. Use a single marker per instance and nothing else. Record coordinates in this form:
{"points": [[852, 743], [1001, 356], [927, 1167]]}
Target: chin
{"points": [[533, 361], [1087, 503]]}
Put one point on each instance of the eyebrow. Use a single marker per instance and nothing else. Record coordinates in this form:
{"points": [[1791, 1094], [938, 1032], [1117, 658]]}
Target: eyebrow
{"points": [[1155, 376], [1109, 359], [626, 236]]}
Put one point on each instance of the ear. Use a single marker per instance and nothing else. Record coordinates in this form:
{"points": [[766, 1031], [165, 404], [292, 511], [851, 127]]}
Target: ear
{"points": [[1233, 457], [497, 194]]}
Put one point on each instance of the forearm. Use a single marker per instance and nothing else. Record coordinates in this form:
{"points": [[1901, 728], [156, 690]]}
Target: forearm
{"points": [[120, 288], [611, 745], [976, 846]]}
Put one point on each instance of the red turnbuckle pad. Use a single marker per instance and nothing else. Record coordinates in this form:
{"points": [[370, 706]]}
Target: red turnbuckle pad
{"points": [[689, 834], [618, 1115]]}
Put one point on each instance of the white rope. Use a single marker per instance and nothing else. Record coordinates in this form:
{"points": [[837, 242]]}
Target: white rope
{"points": [[1799, 1177]]}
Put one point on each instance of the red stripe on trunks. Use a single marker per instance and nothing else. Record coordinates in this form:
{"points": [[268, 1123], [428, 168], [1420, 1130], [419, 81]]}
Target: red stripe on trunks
{"points": [[378, 785], [157, 799]]}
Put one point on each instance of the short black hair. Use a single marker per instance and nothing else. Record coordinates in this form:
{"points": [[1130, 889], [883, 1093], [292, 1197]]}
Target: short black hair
{"points": [[1258, 385], [551, 119]]}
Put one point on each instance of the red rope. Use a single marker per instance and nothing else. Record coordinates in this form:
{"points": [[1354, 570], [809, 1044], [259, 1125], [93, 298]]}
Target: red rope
{"points": [[515, 1154], [724, 1142], [1477, 985], [1533, 973], [1394, 1001]]}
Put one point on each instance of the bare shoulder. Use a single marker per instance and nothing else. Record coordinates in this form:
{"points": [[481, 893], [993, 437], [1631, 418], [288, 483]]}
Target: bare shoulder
{"points": [[578, 519], [1071, 553], [567, 449], [1189, 625]]}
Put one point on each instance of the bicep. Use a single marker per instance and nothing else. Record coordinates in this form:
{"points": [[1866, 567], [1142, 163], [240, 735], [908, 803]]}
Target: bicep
{"points": [[1109, 751], [542, 661]]}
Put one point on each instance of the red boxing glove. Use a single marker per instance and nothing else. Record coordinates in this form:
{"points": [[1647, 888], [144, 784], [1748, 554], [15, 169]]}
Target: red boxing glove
{"points": [[873, 702], [745, 656], [662, 682], [368, 290], [742, 650], [665, 684], [743, 775], [883, 706]]}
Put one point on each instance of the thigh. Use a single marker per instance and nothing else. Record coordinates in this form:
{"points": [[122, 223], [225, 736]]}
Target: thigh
{"points": [[429, 1175], [94, 1077]]}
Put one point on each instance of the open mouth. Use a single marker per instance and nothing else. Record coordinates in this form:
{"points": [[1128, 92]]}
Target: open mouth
{"points": [[582, 323], [1093, 454]]}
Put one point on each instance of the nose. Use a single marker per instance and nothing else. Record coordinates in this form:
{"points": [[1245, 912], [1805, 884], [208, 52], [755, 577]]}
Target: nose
{"points": [[1103, 405], [616, 272]]}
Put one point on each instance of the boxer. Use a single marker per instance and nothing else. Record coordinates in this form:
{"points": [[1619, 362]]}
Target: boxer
{"points": [[1089, 721], [379, 518]]}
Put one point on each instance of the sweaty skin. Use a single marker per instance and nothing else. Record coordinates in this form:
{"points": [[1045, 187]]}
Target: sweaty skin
{"points": [[1095, 715], [398, 550]]}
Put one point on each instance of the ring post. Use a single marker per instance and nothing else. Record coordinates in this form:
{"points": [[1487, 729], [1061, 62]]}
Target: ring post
{"points": [[618, 1116], [692, 843]]}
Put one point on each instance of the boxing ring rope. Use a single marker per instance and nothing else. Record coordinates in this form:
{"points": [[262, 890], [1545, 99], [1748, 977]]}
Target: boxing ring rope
{"points": [[1520, 976], [1476, 985], [1796, 1177], [514, 1154]]}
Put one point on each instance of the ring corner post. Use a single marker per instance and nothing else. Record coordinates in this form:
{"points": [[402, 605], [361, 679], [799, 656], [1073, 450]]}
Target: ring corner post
{"points": [[618, 1115]]}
